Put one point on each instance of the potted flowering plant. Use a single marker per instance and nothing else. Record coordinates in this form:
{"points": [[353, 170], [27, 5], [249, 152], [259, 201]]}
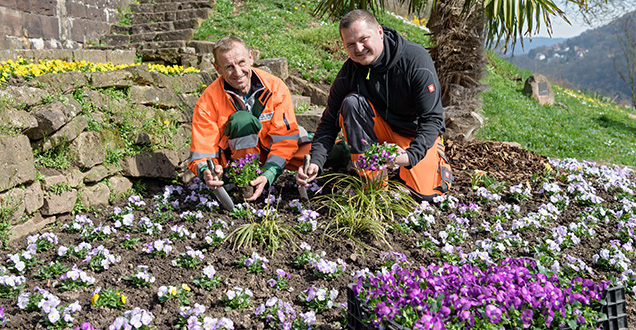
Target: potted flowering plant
{"points": [[243, 170], [375, 162]]}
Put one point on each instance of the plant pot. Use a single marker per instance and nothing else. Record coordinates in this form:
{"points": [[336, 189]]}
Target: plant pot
{"points": [[245, 192]]}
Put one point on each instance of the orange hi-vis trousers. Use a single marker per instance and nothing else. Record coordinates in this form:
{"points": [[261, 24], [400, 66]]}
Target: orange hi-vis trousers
{"points": [[430, 177]]}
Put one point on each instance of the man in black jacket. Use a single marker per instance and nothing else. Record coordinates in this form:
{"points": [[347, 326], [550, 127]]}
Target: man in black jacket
{"points": [[387, 91]]}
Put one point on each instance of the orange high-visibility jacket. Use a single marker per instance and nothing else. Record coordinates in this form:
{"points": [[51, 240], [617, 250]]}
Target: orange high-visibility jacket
{"points": [[278, 136]]}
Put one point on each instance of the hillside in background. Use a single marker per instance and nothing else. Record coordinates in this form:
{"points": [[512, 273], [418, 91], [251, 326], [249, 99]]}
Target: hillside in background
{"points": [[528, 46], [586, 62]]}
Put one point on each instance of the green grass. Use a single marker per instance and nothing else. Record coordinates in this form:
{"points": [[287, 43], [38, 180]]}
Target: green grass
{"points": [[586, 128]]}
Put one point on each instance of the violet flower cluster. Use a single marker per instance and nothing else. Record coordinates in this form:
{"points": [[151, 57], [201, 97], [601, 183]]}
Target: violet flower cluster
{"points": [[180, 232], [141, 278], [11, 285], [42, 242], [280, 280], [378, 157], [254, 263], [422, 218], [307, 256], [208, 278], [75, 278], [136, 318], [192, 318], [100, 258], [319, 299], [80, 251], [125, 223], [159, 248], [307, 221], [513, 294], [99, 233], [237, 298], [245, 169], [78, 224], [279, 314], [190, 259], [328, 270], [20, 261], [214, 237], [149, 227]]}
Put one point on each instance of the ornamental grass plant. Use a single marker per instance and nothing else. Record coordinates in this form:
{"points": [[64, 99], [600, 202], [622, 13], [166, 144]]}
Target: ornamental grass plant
{"points": [[361, 206]]}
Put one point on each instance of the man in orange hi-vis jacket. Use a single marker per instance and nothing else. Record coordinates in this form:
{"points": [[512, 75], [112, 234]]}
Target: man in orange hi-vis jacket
{"points": [[245, 110]]}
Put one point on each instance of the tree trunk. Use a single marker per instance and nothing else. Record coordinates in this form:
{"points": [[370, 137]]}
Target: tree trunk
{"points": [[459, 59]]}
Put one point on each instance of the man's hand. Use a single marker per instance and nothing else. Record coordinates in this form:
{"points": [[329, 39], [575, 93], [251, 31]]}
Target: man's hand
{"points": [[402, 159], [303, 178], [212, 181], [259, 185]]}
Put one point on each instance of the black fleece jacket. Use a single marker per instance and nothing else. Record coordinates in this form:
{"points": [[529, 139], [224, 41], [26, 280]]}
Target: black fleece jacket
{"points": [[403, 87]]}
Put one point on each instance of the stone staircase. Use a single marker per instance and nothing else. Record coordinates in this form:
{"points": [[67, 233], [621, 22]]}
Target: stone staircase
{"points": [[162, 31]]}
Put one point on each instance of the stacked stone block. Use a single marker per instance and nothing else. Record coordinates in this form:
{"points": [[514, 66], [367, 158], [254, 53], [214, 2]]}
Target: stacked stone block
{"points": [[55, 24], [162, 31]]}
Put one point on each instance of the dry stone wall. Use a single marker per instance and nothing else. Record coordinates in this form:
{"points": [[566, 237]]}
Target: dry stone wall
{"points": [[56, 24], [76, 117]]}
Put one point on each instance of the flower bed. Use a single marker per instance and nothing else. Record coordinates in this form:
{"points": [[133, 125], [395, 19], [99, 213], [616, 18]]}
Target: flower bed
{"points": [[558, 223], [516, 294]]}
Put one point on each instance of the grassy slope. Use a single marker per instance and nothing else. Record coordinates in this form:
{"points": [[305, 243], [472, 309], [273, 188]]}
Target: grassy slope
{"points": [[588, 129]]}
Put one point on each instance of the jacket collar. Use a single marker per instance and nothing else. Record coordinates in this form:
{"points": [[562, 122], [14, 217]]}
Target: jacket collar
{"points": [[257, 86]]}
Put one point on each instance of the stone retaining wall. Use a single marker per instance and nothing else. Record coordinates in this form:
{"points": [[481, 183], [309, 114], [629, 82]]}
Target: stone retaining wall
{"points": [[75, 117], [56, 24]]}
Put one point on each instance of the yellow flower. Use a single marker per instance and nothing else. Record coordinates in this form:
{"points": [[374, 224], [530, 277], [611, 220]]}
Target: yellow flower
{"points": [[296, 8], [166, 122], [94, 299], [123, 299], [185, 287], [173, 291]]}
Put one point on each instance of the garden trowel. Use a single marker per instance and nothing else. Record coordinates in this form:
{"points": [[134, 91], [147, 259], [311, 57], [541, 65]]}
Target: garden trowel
{"points": [[220, 192], [302, 190]]}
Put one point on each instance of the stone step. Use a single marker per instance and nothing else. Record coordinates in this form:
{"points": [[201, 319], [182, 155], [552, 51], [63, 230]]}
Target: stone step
{"points": [[115, 40], [159, 45], [185, 34], [153, 1], [151, 27], [120, 29], [201, 47], [166, 55], [154, 17], [156, 27], [169, 6]]}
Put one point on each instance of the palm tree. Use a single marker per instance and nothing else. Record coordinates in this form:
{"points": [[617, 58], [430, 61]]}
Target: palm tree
{"points": [[460, 30]]}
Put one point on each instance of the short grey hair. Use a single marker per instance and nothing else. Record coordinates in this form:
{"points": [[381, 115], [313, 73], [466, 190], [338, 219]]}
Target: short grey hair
{"points": [[226, 44]]}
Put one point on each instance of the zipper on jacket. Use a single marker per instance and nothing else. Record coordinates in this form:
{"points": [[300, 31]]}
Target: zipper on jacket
{"points": [[369, 74]]}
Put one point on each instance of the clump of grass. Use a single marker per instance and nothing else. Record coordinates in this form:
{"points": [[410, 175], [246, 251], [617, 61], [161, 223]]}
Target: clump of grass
{"points": [[360, 206], [265, 228]]}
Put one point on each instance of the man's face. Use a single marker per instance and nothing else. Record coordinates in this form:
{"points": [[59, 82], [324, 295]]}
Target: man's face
{"points": [[363, 42], [235, 66]]}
